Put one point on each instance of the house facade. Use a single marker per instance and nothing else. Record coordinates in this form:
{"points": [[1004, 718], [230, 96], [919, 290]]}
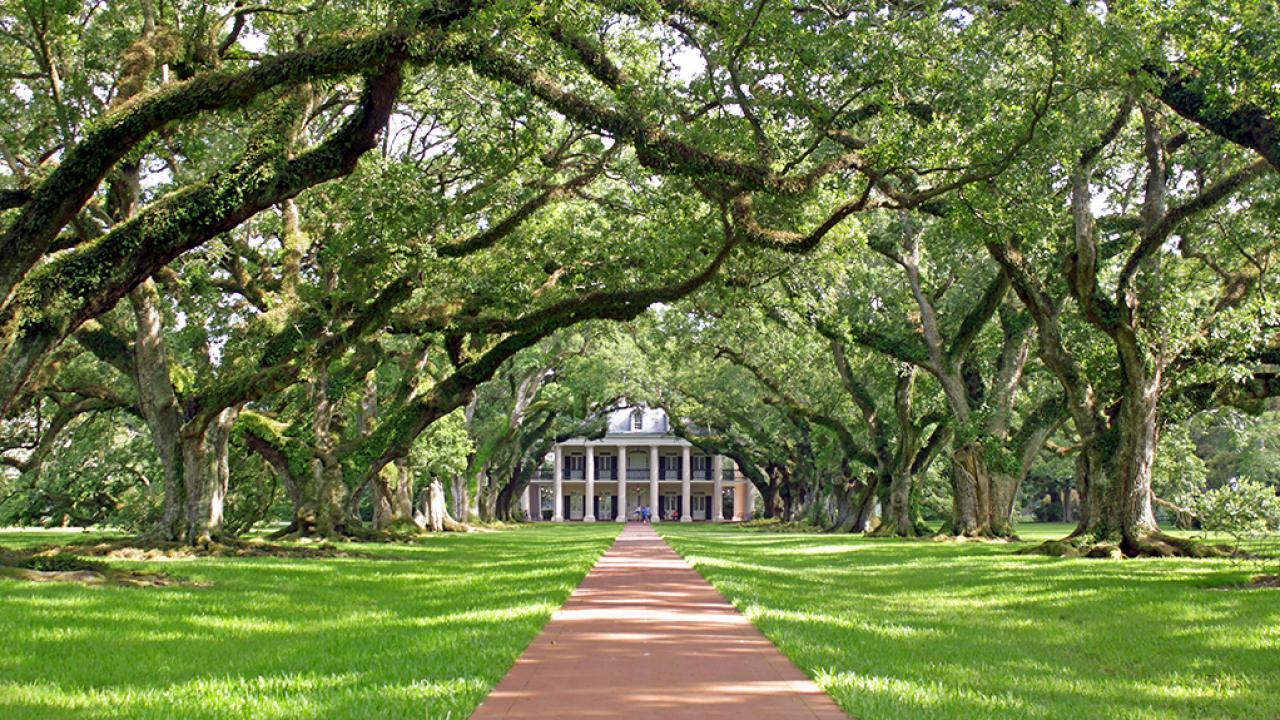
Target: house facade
{"points": [[638, 462]]}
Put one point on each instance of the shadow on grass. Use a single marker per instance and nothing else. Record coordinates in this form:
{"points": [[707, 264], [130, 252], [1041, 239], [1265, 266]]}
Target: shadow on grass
{"points": [[960, 630], [297, 638]]}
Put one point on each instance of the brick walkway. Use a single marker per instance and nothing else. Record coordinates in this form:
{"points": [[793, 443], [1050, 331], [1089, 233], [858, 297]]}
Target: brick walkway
{"points": [[646, 636]]}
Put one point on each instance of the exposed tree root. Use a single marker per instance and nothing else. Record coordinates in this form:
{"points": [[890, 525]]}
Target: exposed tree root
{"points": [[53, 565], [1153, 544], [976, 537], [397, 531], [891, 529], [1069, 548], [947, 533], [135, 549], [776, 525]]}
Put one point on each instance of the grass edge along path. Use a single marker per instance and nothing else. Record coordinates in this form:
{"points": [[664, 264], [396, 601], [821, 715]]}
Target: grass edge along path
{"points": [[426, 632], [942, 630]]}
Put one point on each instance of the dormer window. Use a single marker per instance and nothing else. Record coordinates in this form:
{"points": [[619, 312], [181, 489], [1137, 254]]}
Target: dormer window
{"points": [[637, 420]]}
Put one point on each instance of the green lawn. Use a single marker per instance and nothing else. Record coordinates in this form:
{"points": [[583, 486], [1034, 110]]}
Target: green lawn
{"points": [[425, 636], [903, 629]]}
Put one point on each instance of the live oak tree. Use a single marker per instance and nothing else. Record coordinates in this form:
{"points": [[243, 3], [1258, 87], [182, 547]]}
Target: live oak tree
{"points": [[952, 317], [45, 298], [717, 407], [855, 425], [1161, 277], [561, 388], [508, 170]]}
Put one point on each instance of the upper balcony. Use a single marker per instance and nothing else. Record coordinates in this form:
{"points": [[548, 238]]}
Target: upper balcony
{"points": [[546, 473]]}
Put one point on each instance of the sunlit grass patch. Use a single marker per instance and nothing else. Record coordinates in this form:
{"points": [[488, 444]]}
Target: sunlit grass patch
{"points": [[919, 629], [272, 637]]}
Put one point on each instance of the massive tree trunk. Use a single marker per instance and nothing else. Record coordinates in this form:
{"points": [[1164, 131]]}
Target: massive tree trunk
{"points": [[324, 494], [1114, 481], [982, 499], [205, 475], [899, 513], [855, 504], [1113, 471], [393, 495], [328, 501], [808, 505], [507, 506], [434, 514], [159, 405], [772, 492], [434, 511], [461, 496], [485, 499], [909, 461]]}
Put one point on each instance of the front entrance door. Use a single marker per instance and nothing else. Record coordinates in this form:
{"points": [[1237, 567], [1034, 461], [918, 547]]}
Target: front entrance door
{"points": [[636, 499], [670, 506]]}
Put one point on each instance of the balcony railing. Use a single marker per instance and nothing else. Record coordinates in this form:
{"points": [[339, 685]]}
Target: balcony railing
{"points": [[547, 474]]}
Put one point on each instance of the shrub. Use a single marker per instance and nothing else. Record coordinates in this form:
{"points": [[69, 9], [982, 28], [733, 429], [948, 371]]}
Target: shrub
{"points": [[1241, 507]]}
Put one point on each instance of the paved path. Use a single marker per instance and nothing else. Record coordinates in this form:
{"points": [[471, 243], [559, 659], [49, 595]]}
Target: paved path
{"points": [[645, 636]]}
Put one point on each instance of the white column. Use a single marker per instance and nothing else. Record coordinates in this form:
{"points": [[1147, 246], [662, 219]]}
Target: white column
{"points": [[622, 483], [653, 483], [589, 509], [524, 502], [686, 471], [557, 487], [717, 475], [749, 500]]}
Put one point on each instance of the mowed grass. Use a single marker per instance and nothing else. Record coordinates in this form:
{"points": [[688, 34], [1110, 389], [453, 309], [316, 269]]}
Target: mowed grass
{"points": [[927, 630], [424, 633]]}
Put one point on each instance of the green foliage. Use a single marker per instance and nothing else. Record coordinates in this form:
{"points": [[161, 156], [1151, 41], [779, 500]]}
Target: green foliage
{"points": [[528, 179], [1242, 508], [1179, 474], [104, 470], [442, 451]]}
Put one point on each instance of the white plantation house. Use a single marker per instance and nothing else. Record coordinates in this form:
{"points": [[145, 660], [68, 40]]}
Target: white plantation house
{"points": [[637, 462]]}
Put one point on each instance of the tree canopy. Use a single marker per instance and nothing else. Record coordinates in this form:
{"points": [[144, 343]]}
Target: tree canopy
{"points": [[937, 258]]}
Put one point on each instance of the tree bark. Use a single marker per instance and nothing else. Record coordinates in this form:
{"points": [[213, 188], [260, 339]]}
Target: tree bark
{"points": [[434, 511], [855, 503], [461, 496], [159, 405], [205, 475], [393, 495], [899, 515]]}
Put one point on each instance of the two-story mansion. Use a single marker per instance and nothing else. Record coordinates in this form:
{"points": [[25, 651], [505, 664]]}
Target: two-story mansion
{"points": [[637, 462]]}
